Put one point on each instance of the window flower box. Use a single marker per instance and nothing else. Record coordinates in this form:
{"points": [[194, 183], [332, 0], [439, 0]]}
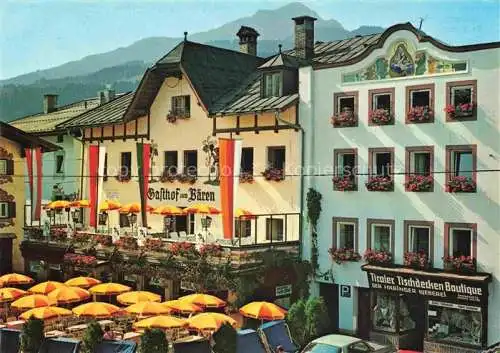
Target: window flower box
{"points": [[274, 174], [375, 257], [419, 183], [246, 178], [173, 116], [103, 239], [344, 119], [380, 117], [464, 264], [460, 184], [416, 260], [342, 255], [153, 244], [214, 250], [33, 233], [344, 183], [167, 177], [186, 178], [380, 183], [182, 248], [127, 243], [420, 114], [82, 237], [58, 234], [459, 111], [123, 178], [80, 260]]}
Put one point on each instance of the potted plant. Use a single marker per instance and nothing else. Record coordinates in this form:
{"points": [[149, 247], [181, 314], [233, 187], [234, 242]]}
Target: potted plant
{"points": [[465, 264], [32, 336], [168, 177], [81, 237], [344, 118], [460, 184], [420, 114], [460, 110], [182, 248], [127, 242], [153, 244], [273, 174], [417, 260], [186, 178], [341, 255], [344, 183], [377, 257], [379, 183], [419, 183], [246, 178], [215, 250], [104, 239], [171, 117], [380, 116]]}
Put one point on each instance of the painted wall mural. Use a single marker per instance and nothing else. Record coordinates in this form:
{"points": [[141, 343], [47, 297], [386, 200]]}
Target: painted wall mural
{"points": [[402, 60]]}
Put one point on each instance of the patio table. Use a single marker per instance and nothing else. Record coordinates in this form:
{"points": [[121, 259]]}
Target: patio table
{"points": [[17, 324], [75, 328], [55, 333]]}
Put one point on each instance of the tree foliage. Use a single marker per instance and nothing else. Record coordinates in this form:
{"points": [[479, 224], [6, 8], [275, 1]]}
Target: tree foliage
{"points": [[308, 320], [225, 339], [91, 337], [32, 335], [153, 341], [296, 318]]}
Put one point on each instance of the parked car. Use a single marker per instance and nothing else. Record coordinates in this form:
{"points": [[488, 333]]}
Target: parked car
{"points": [[346, 344]]}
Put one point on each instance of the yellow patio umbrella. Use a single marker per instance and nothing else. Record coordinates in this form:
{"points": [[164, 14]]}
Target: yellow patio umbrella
{"points": [[167, 210], [46, 312], [14, 279], [58, 204], [80, 204], [97, 310], [133, 208], [209, 321], [109, 289], [137, 296], [147, 309], [183, 307], [263, 311], [162, 322], [82, 282], [204, 300], [45, 287], [66, 295], [32, 301], [109, 205], [243, 214], [9, 294], [202, 208]]}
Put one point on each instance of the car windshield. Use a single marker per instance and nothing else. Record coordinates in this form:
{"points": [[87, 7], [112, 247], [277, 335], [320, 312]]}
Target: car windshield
{"points": [[321, 348]]}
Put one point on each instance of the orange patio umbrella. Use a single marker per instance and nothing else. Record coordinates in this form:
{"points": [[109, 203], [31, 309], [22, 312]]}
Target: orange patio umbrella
{"points": [[183, 307], [58, 204], [109, 205], [204, 300], [46, 312], [202, 208], [167, 210], [147, 309], [9, 294], [82, 282], [98, 310], [32, 301], [109, 289], [210, 321], [243, 214], [80, 204], [137, 297], [133, 208], [162, 322], [66, 295], [263, 311], [14, 279], [45, 287]]}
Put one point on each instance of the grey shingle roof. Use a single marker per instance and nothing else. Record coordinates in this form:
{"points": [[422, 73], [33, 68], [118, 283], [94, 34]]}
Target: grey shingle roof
{"points": [[282, 60], [25, 139], [108, 113]]}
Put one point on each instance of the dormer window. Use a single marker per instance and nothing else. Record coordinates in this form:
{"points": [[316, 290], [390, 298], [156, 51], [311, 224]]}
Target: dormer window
{"points": [[272, 85]]}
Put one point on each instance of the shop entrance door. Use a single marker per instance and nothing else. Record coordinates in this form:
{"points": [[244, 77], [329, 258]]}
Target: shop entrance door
{"points": [[417, 309], [364, 317], [330, 294]]}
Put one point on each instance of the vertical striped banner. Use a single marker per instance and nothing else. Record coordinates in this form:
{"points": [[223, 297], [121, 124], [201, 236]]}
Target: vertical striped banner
{"points": [[34, 164], [143, 169], [100, 173], [93, 183], [229, 172]]}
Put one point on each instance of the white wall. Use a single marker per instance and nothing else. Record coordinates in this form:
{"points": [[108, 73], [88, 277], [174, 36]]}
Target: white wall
{"points": [[483, 208]]}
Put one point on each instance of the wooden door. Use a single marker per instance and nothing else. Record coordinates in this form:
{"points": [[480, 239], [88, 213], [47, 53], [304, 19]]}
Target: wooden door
{"points": [[364, 313]]}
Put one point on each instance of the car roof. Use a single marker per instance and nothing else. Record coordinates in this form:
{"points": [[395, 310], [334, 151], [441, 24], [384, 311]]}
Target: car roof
{"points": [[341, 340]]}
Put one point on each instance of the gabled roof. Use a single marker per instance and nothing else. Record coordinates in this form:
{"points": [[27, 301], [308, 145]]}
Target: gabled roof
{"points": [[107, 113], [283, 60], [42, 123], [26, 140], [212, 72]]}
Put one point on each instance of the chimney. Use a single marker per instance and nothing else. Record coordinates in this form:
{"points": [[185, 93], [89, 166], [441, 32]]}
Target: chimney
{"points": [[49, 103], [106, 95], [304, 37], [248, 40]]}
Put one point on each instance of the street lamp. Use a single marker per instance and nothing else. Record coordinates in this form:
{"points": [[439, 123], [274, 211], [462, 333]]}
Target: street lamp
{"points": [[132, 218], [103, 218], [50, 214], [206, 222], [75, 215]]}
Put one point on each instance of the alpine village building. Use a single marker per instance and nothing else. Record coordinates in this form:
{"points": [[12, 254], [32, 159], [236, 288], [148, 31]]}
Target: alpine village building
{"points": [[407, 237]]}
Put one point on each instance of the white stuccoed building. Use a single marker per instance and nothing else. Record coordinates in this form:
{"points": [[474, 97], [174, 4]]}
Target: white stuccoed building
{"points": [[377, 104]]}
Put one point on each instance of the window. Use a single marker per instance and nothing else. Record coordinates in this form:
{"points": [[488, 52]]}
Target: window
{"points": [[462, 94], [274, 229], [191, 163], [460, 239], [60, 138], [345, 233], [381, 99], [124, 221], [392, 313], [345, 164], [105, 177], [419, 236], [4, 210], [272, 85], [346, 103], [380, 161], [59, 163], [422, 98], [419, 162], [243, 228], [181, 106], [171, 162], [462, 324], [461, 162], [126, 165], [247, 160], [184, 223], [3, 167], [276, 157], [380, 234]]}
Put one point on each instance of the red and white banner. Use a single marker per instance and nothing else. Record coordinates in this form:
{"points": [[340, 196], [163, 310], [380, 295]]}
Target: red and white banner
{"points": [[229, 171], [96, 158], [143, 169], [34, 165]]}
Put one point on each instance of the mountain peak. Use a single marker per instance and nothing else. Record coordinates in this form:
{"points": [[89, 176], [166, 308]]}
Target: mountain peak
{"points": [[290, 10]]}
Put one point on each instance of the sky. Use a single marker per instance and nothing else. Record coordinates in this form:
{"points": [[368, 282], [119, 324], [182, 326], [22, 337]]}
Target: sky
{"points": [[40, 34]]}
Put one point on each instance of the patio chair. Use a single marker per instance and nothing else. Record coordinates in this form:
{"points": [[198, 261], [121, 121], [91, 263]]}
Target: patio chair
{"points": [[276, 333], [60, 345], [249, 341], [183, 234], [173, 235]]}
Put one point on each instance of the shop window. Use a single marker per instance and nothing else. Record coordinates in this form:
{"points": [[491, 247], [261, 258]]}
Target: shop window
{"points": [[461, 162], [59, 164], [391, 313], [345, 166], [461, 239], [276, 157], [243, 228], [419, 237], [183, 223], [126, 165], [455, 323], [461, 99], [345, 233], [381, 161], [191, 163], [274, 229], [345, 107], [170, 162], [124, 221], [420, 104], [272, 85], [247, 160], [380, 234], [181, 106]]}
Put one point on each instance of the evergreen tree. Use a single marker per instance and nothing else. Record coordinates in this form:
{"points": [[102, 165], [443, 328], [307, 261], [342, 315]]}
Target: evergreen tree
{"points": [[225, 339], [32, 335]]}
